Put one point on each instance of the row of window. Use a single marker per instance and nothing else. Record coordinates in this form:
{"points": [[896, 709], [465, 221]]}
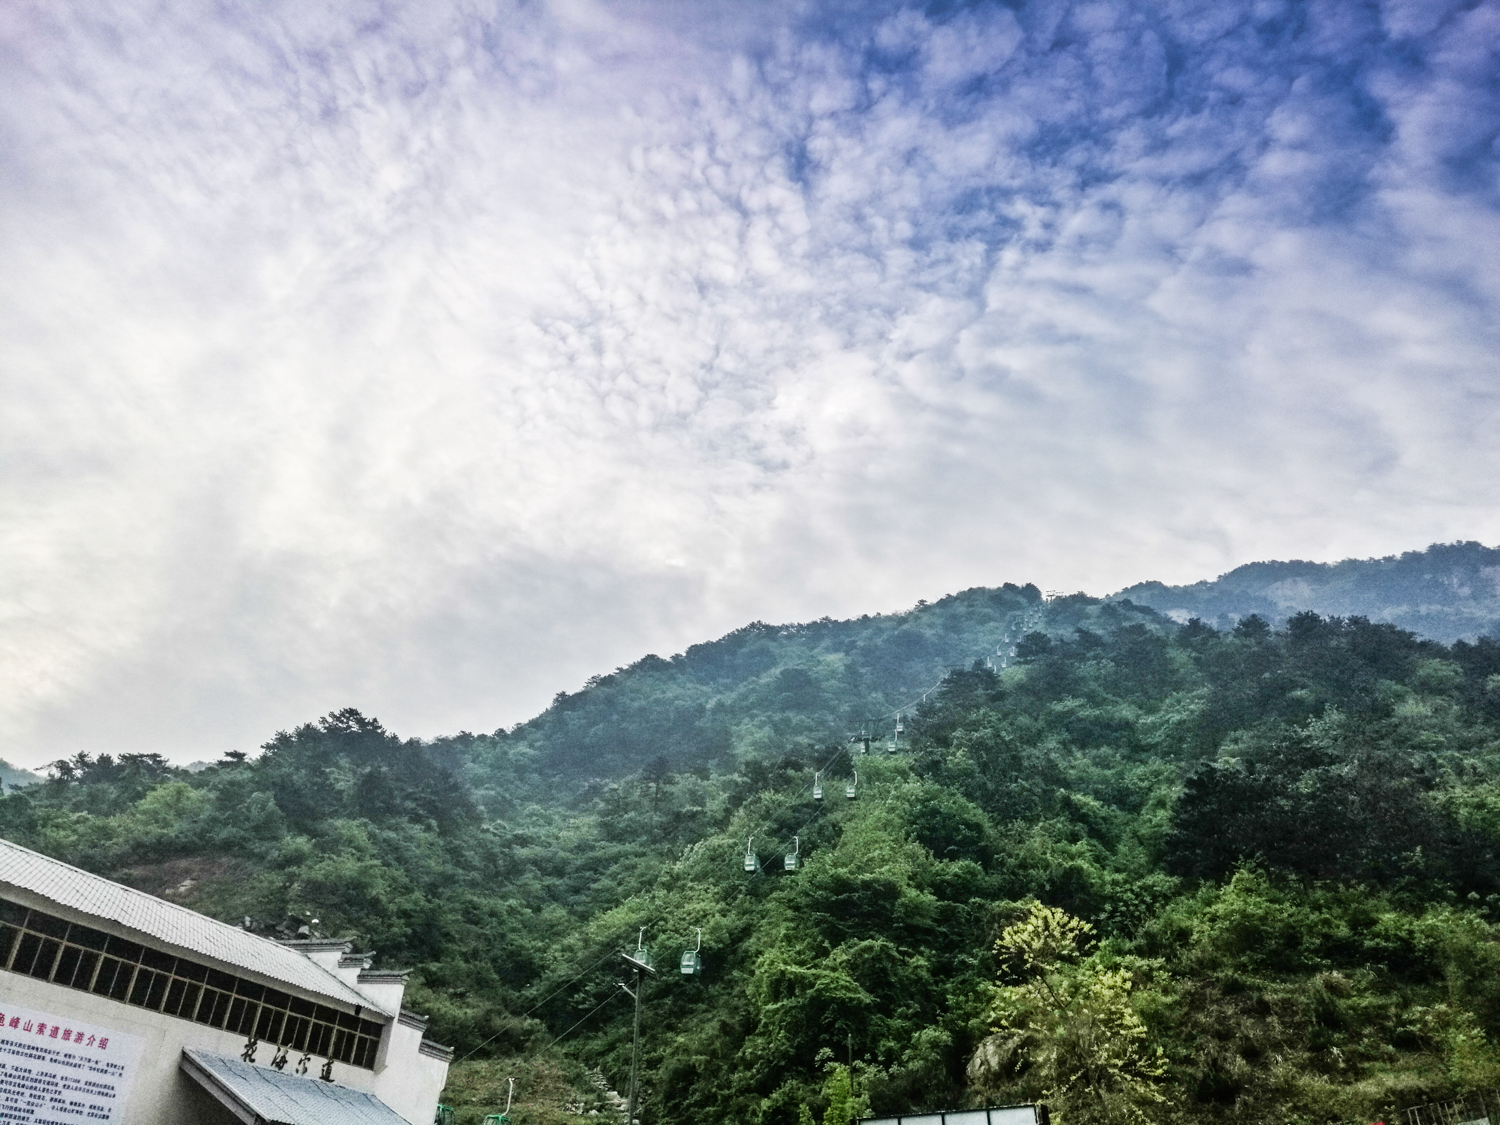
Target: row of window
{"points": [[48, 948]]}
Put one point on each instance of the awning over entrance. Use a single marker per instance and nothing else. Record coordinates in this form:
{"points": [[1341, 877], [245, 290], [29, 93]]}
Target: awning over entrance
{"points": [[258, 1095]]}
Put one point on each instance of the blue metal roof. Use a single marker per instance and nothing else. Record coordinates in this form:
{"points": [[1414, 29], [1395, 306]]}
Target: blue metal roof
{"points": [[258, 1095]]}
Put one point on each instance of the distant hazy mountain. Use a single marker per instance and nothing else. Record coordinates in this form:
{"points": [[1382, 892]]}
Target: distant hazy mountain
{"points": [[11, 777], [1447, 592]]}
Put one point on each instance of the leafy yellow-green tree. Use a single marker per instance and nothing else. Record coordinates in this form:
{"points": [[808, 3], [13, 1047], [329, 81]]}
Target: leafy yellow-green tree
{"points": [[1079, 1037], [845, 1103]]}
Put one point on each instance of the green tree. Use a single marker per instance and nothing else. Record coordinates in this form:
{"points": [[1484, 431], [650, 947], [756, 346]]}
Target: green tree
{"points": [[1080, 1039], [845, 1105]]}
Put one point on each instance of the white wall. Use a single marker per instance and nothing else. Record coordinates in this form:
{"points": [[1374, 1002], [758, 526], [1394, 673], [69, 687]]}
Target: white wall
{"points": [[407, 1081], [160, 1094]]}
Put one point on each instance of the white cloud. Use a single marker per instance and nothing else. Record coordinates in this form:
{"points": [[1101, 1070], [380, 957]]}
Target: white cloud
{"points": [[430, 358]]}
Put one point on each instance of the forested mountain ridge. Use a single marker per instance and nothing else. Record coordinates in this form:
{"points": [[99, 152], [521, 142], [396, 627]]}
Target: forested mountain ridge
{"points": [[1448, 592], [1247, 875], [767, 689], [10, 776]]}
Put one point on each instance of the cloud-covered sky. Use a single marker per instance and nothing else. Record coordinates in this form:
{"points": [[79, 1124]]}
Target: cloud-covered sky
{"points": [[431, 356]]}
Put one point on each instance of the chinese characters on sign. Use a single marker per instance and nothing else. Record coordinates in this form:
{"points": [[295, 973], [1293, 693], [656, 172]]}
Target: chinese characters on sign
{"points": [[56, 1071]]}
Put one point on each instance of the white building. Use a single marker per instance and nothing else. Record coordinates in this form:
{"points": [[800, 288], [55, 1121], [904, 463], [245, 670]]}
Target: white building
{"points": [[119, 1007]]}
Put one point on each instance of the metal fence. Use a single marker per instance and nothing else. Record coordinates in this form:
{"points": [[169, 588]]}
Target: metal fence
{"points": [[992, 1115], [1479, 1108]]}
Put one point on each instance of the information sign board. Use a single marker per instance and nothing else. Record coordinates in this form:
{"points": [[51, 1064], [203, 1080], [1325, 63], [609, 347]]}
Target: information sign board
{"points": [[60, 1071]]}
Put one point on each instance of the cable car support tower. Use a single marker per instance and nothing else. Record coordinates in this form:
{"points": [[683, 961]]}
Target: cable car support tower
{"points": [[639, 960]]}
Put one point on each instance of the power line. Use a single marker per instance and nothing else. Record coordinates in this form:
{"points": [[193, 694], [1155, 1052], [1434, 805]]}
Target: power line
{"points": [[547, 997], [606, 1000]]}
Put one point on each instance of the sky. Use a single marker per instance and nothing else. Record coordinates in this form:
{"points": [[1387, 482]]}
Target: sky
{"points": [[430, 357]]}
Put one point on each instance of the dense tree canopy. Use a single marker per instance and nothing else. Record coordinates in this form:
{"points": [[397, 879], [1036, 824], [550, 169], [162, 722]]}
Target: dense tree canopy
{"points": [[1273, 849]]}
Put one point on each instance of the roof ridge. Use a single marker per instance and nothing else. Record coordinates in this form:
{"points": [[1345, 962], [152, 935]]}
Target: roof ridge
{"points": [[334, 987], [136, 891]]}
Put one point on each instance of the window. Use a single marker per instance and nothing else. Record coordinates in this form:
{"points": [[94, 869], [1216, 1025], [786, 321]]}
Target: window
{"points": [[42, 946]]}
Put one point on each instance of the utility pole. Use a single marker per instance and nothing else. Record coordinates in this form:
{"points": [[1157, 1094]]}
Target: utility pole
{"points": [[640, 961], [635, 1054]]}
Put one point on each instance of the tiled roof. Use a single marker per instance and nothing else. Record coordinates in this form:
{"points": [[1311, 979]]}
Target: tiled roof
{"points": [[260, 1094], [167, 922], [435, 1050]]}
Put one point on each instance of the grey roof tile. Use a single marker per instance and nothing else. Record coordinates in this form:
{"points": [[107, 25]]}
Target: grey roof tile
{"points": [[167, 922]]}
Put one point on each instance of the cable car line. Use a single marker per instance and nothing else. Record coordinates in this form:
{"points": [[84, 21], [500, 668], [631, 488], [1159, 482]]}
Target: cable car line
{"points": [[569, 984], [1019, 618], [596, 1007], [790, 861], [691, 963], [752, 864], [544, 999], [752, 861]]}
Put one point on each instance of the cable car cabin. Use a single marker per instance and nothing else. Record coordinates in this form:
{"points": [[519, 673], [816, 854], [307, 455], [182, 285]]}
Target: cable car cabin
{"points": [[864, 745], [899, 727], [692, 961], [849, 790], [793, 858], [890, 747], [639, 958], [817, 788], [752, 861]]}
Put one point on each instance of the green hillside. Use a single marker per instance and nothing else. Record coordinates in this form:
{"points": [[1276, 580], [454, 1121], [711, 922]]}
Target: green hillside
{"points": [[1448, 592], [768, 689], [1144, 871]]}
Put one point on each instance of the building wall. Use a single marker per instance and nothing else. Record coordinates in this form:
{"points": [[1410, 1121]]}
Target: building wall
{"points": [[407, 1080], [161, 1094]]}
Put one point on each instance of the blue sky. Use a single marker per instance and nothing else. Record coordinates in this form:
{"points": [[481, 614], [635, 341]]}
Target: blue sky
{"points": [[431, 357]]}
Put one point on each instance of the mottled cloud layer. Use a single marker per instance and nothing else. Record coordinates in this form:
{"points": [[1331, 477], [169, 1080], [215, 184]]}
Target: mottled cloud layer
{"points": [[430, 357]]}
